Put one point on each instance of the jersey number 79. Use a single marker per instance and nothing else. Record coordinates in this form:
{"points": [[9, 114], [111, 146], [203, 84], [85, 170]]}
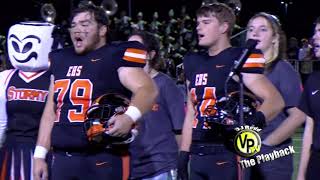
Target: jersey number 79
{"points": [[80, 93]]}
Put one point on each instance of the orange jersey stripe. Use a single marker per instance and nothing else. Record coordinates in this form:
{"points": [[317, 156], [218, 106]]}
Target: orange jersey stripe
{"points": [[253, 65], [125, 167], [256, 56], [132, 59], [137, 51], [4, 167], [135, 55]]}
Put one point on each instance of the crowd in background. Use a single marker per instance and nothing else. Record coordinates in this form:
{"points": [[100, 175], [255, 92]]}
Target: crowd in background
{"points": [[175, 32]]}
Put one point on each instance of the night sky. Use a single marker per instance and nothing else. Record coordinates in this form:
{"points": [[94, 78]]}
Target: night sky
{"points": [[296, 22]]}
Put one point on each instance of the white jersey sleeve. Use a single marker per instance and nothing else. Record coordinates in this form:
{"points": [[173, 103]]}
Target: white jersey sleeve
{"points": [[4, 79]]}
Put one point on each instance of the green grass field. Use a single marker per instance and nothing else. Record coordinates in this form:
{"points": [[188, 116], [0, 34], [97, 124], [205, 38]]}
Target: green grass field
{"points": [[297, 140]]}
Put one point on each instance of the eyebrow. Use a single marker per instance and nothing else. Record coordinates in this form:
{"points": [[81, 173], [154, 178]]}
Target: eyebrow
{"points": [[82, 21]]}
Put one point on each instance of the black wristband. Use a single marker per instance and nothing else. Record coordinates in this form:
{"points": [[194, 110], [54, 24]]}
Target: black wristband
{"points": [[260, 119], [184, 155]]}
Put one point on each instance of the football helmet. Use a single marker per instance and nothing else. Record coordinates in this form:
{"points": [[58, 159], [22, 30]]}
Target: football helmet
{"points": [[227, 109], [97, 117]]}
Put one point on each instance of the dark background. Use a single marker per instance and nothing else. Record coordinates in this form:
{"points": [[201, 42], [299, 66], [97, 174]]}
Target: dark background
{"points": [[298, 21]]}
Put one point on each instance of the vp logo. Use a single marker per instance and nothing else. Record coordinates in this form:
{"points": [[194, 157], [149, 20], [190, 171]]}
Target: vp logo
{"points": [[247, 142]]}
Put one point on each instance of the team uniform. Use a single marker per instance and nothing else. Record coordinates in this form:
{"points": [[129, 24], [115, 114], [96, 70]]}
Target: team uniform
{"points": [[80, 79], [210, 158], [154, 153], [26, 93], [288, 83], [310, 105]]}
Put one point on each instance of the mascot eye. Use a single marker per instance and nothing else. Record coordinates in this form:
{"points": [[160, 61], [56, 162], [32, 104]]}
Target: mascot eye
{"points": [[15, 46], [27, 47]]}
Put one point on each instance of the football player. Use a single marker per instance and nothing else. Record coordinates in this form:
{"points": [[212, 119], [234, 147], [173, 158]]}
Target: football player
{"points": [[154, 153], [24, 91], [81, 74], [266, 28], [310, 155], [206, 74]]}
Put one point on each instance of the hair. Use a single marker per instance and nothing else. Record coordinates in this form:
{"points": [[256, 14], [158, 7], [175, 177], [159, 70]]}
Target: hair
{"points": [[280, 45], [151, 43], [221, 11], [98, 13], [317, 21]]}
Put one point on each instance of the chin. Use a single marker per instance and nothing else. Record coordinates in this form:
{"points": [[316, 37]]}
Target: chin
{"points": [[203, 44]]}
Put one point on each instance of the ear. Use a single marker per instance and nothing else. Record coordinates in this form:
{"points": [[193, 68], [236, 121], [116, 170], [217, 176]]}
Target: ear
{"points": [[152, 54], [275, 39], [103, 30], [223, 27]]}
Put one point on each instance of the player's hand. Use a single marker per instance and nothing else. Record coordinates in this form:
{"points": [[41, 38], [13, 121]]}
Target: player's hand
{"points": [[183, 161], [40, 169], [121, 125], [259, 120]]}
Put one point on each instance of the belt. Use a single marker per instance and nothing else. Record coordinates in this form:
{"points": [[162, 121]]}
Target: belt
{"points": [[78, 152], [206, 149]]}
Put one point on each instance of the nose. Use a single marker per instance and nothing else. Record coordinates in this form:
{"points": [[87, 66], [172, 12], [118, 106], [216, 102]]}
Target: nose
{"points": [[198, 27], [255, 33], [75, 29]]}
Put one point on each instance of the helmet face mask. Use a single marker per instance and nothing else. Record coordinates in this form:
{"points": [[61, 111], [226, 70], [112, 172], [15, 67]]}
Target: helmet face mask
{"points": [[227, 110], [97, 117]]}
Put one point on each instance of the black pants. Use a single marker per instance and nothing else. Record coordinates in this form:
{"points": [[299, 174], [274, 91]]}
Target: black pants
{"points": [[313, 166], [213, 162]]}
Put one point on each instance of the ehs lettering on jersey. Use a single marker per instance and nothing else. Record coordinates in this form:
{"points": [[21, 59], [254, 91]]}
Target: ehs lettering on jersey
{"points": [[201, 79], [74, 71], [26, 94]]}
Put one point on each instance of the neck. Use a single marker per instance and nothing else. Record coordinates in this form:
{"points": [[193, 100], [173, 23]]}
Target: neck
{"points": [[268, 55], [218, 47], [153, 73]]}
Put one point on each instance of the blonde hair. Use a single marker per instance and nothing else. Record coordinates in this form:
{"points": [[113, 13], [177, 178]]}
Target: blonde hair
{"points": [[279, 46]]}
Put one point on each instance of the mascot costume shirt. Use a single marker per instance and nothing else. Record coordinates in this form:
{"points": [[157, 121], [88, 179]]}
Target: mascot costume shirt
{"points": [[23, 94]]}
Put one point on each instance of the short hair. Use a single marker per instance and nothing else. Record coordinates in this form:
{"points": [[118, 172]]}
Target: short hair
{"points": [[221, 11], [99, 14], [151, 43]]}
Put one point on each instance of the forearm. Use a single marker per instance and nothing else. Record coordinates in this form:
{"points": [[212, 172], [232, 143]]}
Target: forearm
{"points": [[272, 101], [287, 128], [144, 97], [46, 125], [186, 137], [3, 125], [47, 120], [144, 91], [306, 147], [271, 106]]}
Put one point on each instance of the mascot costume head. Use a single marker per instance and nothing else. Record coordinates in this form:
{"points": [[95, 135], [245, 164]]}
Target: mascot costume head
{"points": [[29, 44]]}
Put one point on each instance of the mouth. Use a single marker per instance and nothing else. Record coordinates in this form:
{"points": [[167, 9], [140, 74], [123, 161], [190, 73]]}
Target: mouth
{"points": [[32, 55], [78, 41], [200, 36], [316, 47]]}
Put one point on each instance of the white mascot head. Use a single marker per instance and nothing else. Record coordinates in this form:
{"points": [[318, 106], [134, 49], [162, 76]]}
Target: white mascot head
{"points": [[29, 44]]}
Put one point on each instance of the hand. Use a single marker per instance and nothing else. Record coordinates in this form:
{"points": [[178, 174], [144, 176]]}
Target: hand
{"points": [[259, 120], [183, 161], [120, 125], [40, 169]]}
